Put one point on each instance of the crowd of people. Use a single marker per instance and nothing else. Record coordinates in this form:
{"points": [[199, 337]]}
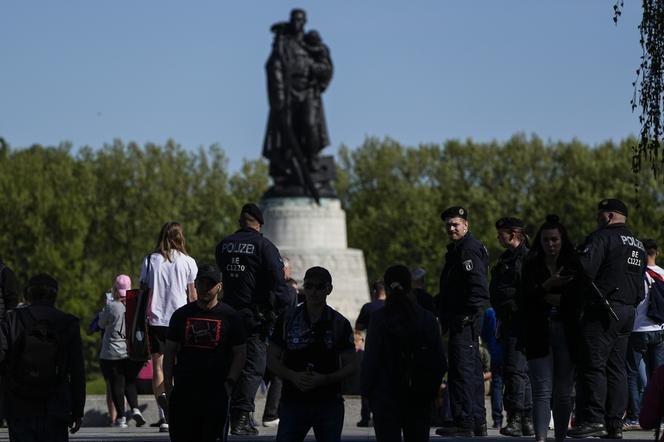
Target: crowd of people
{"points": [[568, 330]]}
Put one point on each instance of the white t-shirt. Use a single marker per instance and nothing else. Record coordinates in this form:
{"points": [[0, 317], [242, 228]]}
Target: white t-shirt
{"points": [[168, 281], [642, 323]]}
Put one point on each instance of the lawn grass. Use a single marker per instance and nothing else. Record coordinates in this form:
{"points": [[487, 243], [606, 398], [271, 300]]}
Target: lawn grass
{"points": [[95, 385]]}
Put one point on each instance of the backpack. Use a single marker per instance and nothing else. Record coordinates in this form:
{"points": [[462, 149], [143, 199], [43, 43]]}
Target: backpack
{"points": [[418, 368], [36, 366], [655, 296]]}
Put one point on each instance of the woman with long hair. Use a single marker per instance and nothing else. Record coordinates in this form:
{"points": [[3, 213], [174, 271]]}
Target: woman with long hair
{"points": [[550, 312], [169, 274], [403, 364]]}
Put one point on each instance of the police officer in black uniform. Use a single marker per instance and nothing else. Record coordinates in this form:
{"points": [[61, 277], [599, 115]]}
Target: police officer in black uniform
{"points": [[254, 286], [505, 290], [464, 290], [615, 261]]}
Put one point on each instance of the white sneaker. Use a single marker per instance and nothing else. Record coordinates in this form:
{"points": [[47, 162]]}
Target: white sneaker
{"points": [[271, 422], [163, 428], [120, 422], [137, 417]]}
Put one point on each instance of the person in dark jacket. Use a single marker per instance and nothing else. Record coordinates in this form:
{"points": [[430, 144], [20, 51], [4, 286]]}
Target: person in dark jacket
{"points": [[615, 261], [8, 290], [464, 290], [504, 289], [404, 346], [43, 396], [550, 312], [254, 286]]}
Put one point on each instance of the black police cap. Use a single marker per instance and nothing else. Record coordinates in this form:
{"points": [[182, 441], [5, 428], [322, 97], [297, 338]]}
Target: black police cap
{"points": [[253, 210], [612, 205], [510, 223], [209, 271], [454, 212]]}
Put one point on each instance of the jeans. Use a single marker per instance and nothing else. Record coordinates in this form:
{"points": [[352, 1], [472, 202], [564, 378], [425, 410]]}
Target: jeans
{"points": [[497, 394], [37, 429], [647, 347], [552, 376], [297, 418]]}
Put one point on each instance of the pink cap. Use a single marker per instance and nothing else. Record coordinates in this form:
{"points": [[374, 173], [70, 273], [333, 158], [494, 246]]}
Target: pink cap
{"points": [[122, 284]]}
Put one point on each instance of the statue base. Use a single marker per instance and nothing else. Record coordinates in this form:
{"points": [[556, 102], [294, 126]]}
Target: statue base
{"points": [[315, 235]]}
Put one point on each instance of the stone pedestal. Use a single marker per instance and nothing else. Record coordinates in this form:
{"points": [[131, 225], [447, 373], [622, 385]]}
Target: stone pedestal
{"points": [[312, 235]]}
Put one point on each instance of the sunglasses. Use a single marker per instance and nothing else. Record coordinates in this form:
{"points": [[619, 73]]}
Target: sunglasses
{"points": [[312, 286]]}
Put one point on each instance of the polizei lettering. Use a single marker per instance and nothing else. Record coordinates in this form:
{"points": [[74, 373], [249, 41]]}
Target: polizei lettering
{"points": [[238, 247], [631, 241]]}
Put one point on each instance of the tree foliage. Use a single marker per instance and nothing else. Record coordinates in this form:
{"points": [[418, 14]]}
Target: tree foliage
{"points": [[649, 86], [394, 194], [85, 216]]}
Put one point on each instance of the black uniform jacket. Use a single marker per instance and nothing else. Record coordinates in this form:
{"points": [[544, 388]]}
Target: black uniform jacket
{"points": [[252, 270], [464, 288], [506, 281], [615, 259]]}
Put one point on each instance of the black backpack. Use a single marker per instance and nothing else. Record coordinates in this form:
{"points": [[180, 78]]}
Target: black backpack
{"points": [[656, 297], [36, 366], [418, 368]]}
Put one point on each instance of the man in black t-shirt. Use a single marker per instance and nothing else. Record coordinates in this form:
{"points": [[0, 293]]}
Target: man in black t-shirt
{"points": [[312, 349], [205, 352]]}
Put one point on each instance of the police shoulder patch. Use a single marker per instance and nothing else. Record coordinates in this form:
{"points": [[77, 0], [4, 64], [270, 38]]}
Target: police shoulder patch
{"points": [[468, 265]]}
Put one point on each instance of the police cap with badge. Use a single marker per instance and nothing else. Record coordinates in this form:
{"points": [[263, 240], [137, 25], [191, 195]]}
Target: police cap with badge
{"points": [[454, 212], [510, 223]]}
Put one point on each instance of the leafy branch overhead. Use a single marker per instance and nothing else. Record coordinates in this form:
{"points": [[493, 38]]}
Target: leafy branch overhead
{"points": [[649, 86]]}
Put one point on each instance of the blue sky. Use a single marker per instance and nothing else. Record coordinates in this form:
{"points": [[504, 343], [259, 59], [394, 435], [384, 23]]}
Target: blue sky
{"points": [[89, 71]]}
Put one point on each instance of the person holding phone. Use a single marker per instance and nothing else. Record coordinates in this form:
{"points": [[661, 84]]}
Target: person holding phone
{"points": [[549, 316]]}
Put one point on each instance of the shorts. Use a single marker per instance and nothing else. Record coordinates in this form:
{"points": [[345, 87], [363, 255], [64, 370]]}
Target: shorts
{"points": [[157, 338]]}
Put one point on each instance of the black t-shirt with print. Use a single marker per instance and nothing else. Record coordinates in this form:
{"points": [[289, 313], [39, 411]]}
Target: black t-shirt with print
{"points": [[206, 339], [316, 346]]}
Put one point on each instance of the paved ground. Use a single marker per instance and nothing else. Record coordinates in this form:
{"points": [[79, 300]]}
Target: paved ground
{"points": [[96, 426]]}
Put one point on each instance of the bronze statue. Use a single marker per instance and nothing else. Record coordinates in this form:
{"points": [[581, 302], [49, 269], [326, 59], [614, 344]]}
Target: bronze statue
{"points": [[299, 70]]}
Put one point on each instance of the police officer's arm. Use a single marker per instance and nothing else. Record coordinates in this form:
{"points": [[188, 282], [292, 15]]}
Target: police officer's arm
{"points": [[169, 363], [76, 367], [473, 271], [278, 292], [592, 255]]}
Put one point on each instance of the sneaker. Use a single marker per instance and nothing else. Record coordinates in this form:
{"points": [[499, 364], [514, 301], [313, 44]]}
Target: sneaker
{"points": [[137, 417], [163, 428], [271, 422], [631, 425], [158, 423], [120, 422]]}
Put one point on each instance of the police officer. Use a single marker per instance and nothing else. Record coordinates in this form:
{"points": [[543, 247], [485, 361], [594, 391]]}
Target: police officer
{"points": [[505, 289], [615, 261], [254, 285], [464, 290]]}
